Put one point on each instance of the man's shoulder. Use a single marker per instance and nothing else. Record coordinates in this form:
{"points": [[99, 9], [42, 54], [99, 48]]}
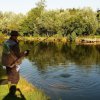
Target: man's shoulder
{"points": [[10, 42]]}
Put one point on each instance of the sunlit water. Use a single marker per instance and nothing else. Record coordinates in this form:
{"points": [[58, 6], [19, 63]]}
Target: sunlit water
{"points": [[64, 71]]}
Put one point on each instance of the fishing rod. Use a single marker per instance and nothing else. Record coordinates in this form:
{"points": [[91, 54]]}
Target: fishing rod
{"points": [[25, 54]]}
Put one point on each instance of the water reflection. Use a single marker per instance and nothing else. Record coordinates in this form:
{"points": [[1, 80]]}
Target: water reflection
{"points": [[45, 54]]}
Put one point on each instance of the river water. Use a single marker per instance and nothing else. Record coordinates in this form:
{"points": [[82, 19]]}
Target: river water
{"points": [[63, 71]]}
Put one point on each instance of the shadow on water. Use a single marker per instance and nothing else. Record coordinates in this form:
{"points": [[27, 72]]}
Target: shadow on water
{"points": [[12, 94]]}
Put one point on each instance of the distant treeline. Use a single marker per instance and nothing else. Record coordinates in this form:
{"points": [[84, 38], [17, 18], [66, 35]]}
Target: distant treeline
{"points": [[41, 22]]}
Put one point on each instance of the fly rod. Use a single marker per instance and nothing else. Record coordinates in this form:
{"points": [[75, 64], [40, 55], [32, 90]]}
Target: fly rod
{"points": [[25, 53]]}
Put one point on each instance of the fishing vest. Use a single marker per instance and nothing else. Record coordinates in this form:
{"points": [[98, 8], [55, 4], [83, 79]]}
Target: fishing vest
{"points": [[8, 55]]}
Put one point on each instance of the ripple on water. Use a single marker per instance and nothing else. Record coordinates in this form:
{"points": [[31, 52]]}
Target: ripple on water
{"points": [[58, 83], [65, 75], [60, 86]]}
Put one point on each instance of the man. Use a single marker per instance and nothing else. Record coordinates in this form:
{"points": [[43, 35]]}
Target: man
{"points": [[10, 55]]}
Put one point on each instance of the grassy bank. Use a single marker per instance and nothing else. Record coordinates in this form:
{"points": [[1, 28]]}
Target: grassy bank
{"points": [[44, 39], [29, 92], [80, 40], [91, 38]]}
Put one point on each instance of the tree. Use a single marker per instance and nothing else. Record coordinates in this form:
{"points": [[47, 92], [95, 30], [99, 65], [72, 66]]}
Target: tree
{"points": [[98, 19], [10, 21], [30, 24]]}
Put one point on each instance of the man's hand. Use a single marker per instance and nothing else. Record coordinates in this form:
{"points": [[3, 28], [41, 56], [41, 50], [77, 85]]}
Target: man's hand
{"points": [[26, 52]]}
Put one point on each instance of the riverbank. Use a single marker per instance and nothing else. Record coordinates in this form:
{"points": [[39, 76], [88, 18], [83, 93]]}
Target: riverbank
{"points": [[93, 39], [87, 40], [28, 91]]}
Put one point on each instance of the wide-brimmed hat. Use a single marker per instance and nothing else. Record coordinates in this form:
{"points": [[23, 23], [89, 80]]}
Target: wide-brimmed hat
{"points": [[14, 33]]}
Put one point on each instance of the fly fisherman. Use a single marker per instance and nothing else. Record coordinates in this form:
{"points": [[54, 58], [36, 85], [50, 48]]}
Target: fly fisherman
{"points": [[11, 58]]}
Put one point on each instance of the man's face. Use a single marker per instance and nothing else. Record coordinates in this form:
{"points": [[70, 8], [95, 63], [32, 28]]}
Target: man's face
{"points": [[15, 37]]}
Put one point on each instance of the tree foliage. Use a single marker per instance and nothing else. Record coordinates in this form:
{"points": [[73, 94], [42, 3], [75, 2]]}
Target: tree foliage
{"points": [[39, 21]]}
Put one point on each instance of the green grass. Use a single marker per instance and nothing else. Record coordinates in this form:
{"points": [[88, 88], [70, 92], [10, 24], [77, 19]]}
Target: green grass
{"points": [[29, 91]]}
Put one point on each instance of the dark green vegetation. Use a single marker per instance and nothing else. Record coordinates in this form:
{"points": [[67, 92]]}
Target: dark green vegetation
{"points": [[41, 22]]}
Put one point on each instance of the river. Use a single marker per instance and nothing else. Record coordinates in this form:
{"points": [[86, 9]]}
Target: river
{"points": [[63, 71]]}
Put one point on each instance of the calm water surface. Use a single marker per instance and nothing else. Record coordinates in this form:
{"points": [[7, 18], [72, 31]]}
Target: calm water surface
{"points": [[63, 71]]}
